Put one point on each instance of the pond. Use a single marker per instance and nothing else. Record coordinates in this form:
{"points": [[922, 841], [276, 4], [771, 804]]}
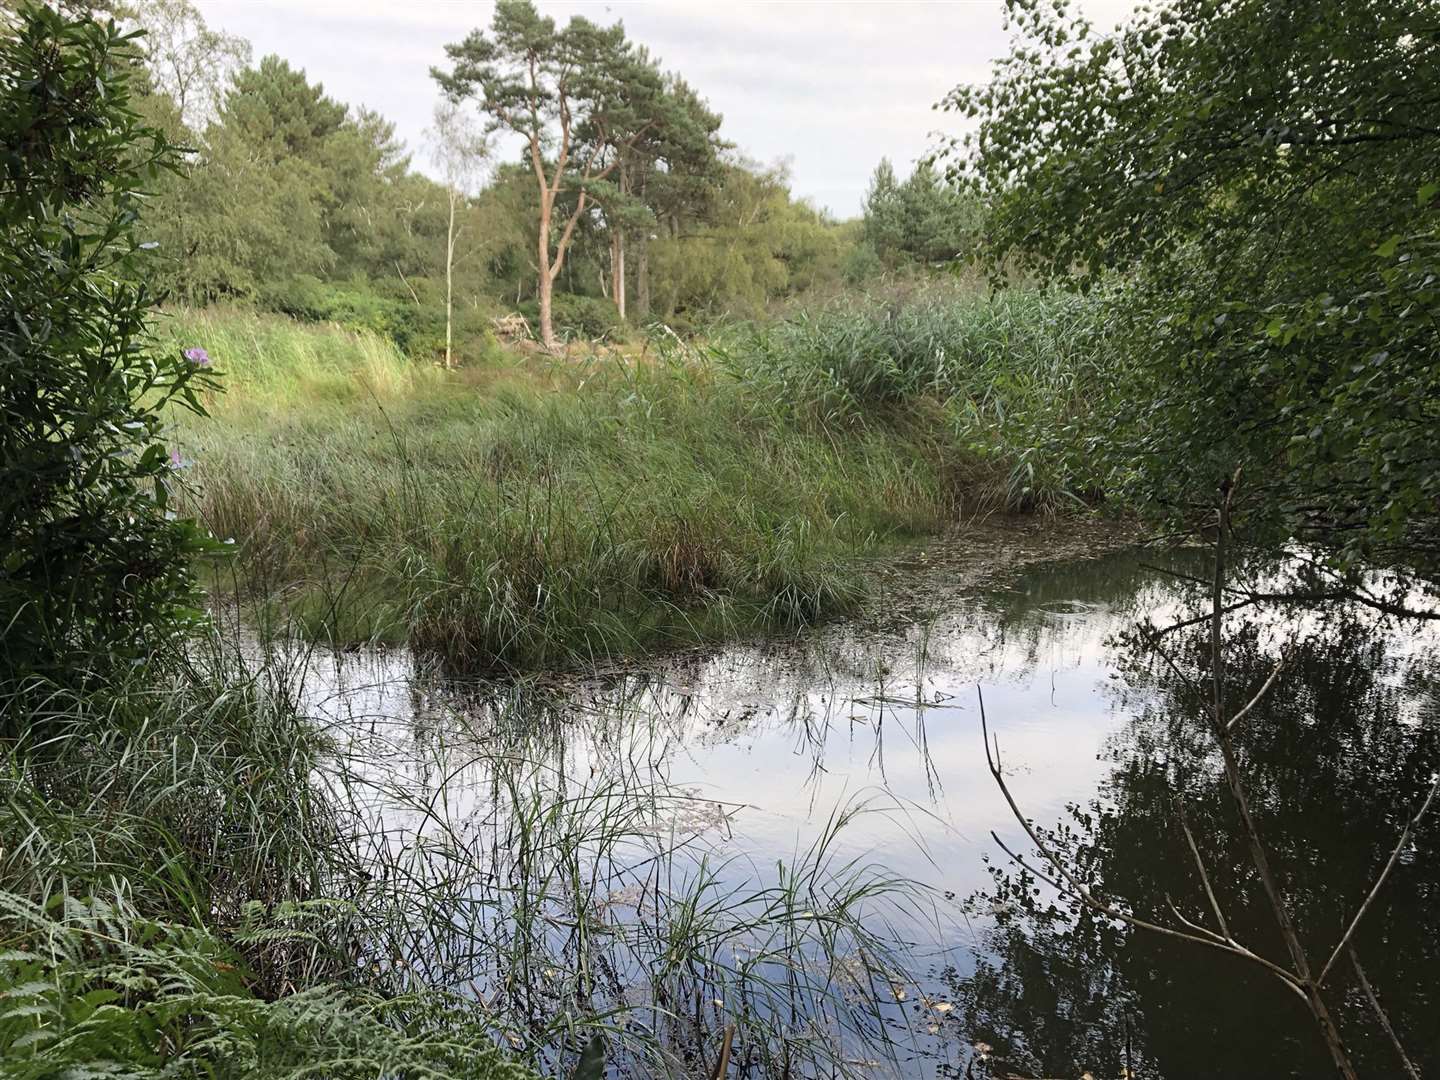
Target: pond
{"points": [[794, 838]]}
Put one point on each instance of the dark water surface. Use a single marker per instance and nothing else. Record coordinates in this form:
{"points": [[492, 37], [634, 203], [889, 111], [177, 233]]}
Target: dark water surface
{"points": [[558, 812]]}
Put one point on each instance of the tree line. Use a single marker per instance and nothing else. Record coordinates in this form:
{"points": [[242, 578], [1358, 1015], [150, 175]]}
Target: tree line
{"points": [[572, 179]]}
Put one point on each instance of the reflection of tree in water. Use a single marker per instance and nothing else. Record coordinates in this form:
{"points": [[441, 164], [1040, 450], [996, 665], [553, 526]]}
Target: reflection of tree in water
{"points": [[1337, 756]]}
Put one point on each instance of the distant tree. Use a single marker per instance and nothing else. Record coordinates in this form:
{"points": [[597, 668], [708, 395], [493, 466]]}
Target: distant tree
{"points": [[280, 113], [925, 220], [675, 172], [287, 184], [187, 60], [460, 151], [572, 96], [884, 224]]}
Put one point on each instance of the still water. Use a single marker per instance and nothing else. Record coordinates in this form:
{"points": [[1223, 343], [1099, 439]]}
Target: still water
{"points": [[795, 837]]}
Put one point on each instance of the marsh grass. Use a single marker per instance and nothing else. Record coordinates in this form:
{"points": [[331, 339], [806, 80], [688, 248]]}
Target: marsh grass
{"points": [[542, 512], [609, 894], [556, 513], [1010, 375]]}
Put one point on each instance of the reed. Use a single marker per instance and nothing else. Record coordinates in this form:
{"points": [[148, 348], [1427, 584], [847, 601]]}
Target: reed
{"points": [[544, 511]]}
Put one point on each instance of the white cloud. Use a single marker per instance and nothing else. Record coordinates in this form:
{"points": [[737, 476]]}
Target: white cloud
{"points": [[830, 86]]}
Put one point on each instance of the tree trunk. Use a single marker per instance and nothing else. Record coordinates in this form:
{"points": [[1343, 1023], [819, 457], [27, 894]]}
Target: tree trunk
{"points": [[620, 273], [617, 248], [547, 326], [642, 276], [546, 282], [450, 282]]}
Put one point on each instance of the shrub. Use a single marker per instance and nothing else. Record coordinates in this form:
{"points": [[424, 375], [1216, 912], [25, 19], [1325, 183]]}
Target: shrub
{"points": [[91, 562], [416, 328], [579, 316]]}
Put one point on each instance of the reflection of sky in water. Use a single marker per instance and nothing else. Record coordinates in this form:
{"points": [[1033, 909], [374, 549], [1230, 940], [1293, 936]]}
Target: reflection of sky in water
{"points": [[779, 735], [764, 742]]}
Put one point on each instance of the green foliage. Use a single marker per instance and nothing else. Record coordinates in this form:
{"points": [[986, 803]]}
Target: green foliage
{"points": [[93, 566], [586, 317], [1264, 177], [295, 204], [923, 221], [93, 989], [756, 245], [277, 112]]}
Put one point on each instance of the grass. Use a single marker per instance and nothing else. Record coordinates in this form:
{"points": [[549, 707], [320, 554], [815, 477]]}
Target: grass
{"points": [[545, 512]]}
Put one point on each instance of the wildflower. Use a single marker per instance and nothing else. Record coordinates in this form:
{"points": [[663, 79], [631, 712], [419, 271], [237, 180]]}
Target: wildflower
{"points": [[198, 356]]}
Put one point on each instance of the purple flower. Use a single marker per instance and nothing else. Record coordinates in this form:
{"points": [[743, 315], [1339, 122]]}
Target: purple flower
{"points": [[175, 460], [198, 356]]}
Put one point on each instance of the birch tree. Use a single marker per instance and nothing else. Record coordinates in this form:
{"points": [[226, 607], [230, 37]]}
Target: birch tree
{"points": [[461, 152]]}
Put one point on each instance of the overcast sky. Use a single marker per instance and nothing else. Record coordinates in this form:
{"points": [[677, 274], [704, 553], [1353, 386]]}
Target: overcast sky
{"points": [[829, 87]]}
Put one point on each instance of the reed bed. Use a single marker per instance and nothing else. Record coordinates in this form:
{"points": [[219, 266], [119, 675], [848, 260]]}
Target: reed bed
{"points": [[540, 512]]}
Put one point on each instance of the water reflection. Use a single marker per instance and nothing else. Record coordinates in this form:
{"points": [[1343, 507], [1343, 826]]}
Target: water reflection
{"points": [[726, 771], [1337, 757]]}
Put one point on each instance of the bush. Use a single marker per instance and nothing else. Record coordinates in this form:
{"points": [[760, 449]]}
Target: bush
{"points": [[91, 563], [350, 305], [589, 317], [417, 329]]}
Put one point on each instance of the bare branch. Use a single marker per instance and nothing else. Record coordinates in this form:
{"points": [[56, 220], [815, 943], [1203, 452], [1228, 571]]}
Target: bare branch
{"points": [[1380, 1015], [1204, 875], [1265, 689], [1380, 881]]}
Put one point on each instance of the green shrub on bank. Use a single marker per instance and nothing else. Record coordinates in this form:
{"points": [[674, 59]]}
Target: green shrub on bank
{"points": [[93, 568], [413, 322], [588, 318]]}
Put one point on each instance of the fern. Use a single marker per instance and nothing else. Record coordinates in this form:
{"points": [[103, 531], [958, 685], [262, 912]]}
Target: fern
{"points": [[89, 989]]}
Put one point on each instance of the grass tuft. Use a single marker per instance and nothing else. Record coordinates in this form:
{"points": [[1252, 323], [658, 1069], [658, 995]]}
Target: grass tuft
{"points": [[551, 512]]}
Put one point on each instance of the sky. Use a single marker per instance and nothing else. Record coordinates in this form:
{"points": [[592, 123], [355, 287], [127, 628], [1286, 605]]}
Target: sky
{"points": [[827, 87]]}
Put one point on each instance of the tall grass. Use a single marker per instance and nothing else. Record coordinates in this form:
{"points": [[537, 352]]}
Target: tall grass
{"points": [[1012, 375], [558, 511]]}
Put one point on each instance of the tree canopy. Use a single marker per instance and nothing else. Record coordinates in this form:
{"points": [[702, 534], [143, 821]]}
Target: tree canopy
{"points": [[1258, 186]]}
